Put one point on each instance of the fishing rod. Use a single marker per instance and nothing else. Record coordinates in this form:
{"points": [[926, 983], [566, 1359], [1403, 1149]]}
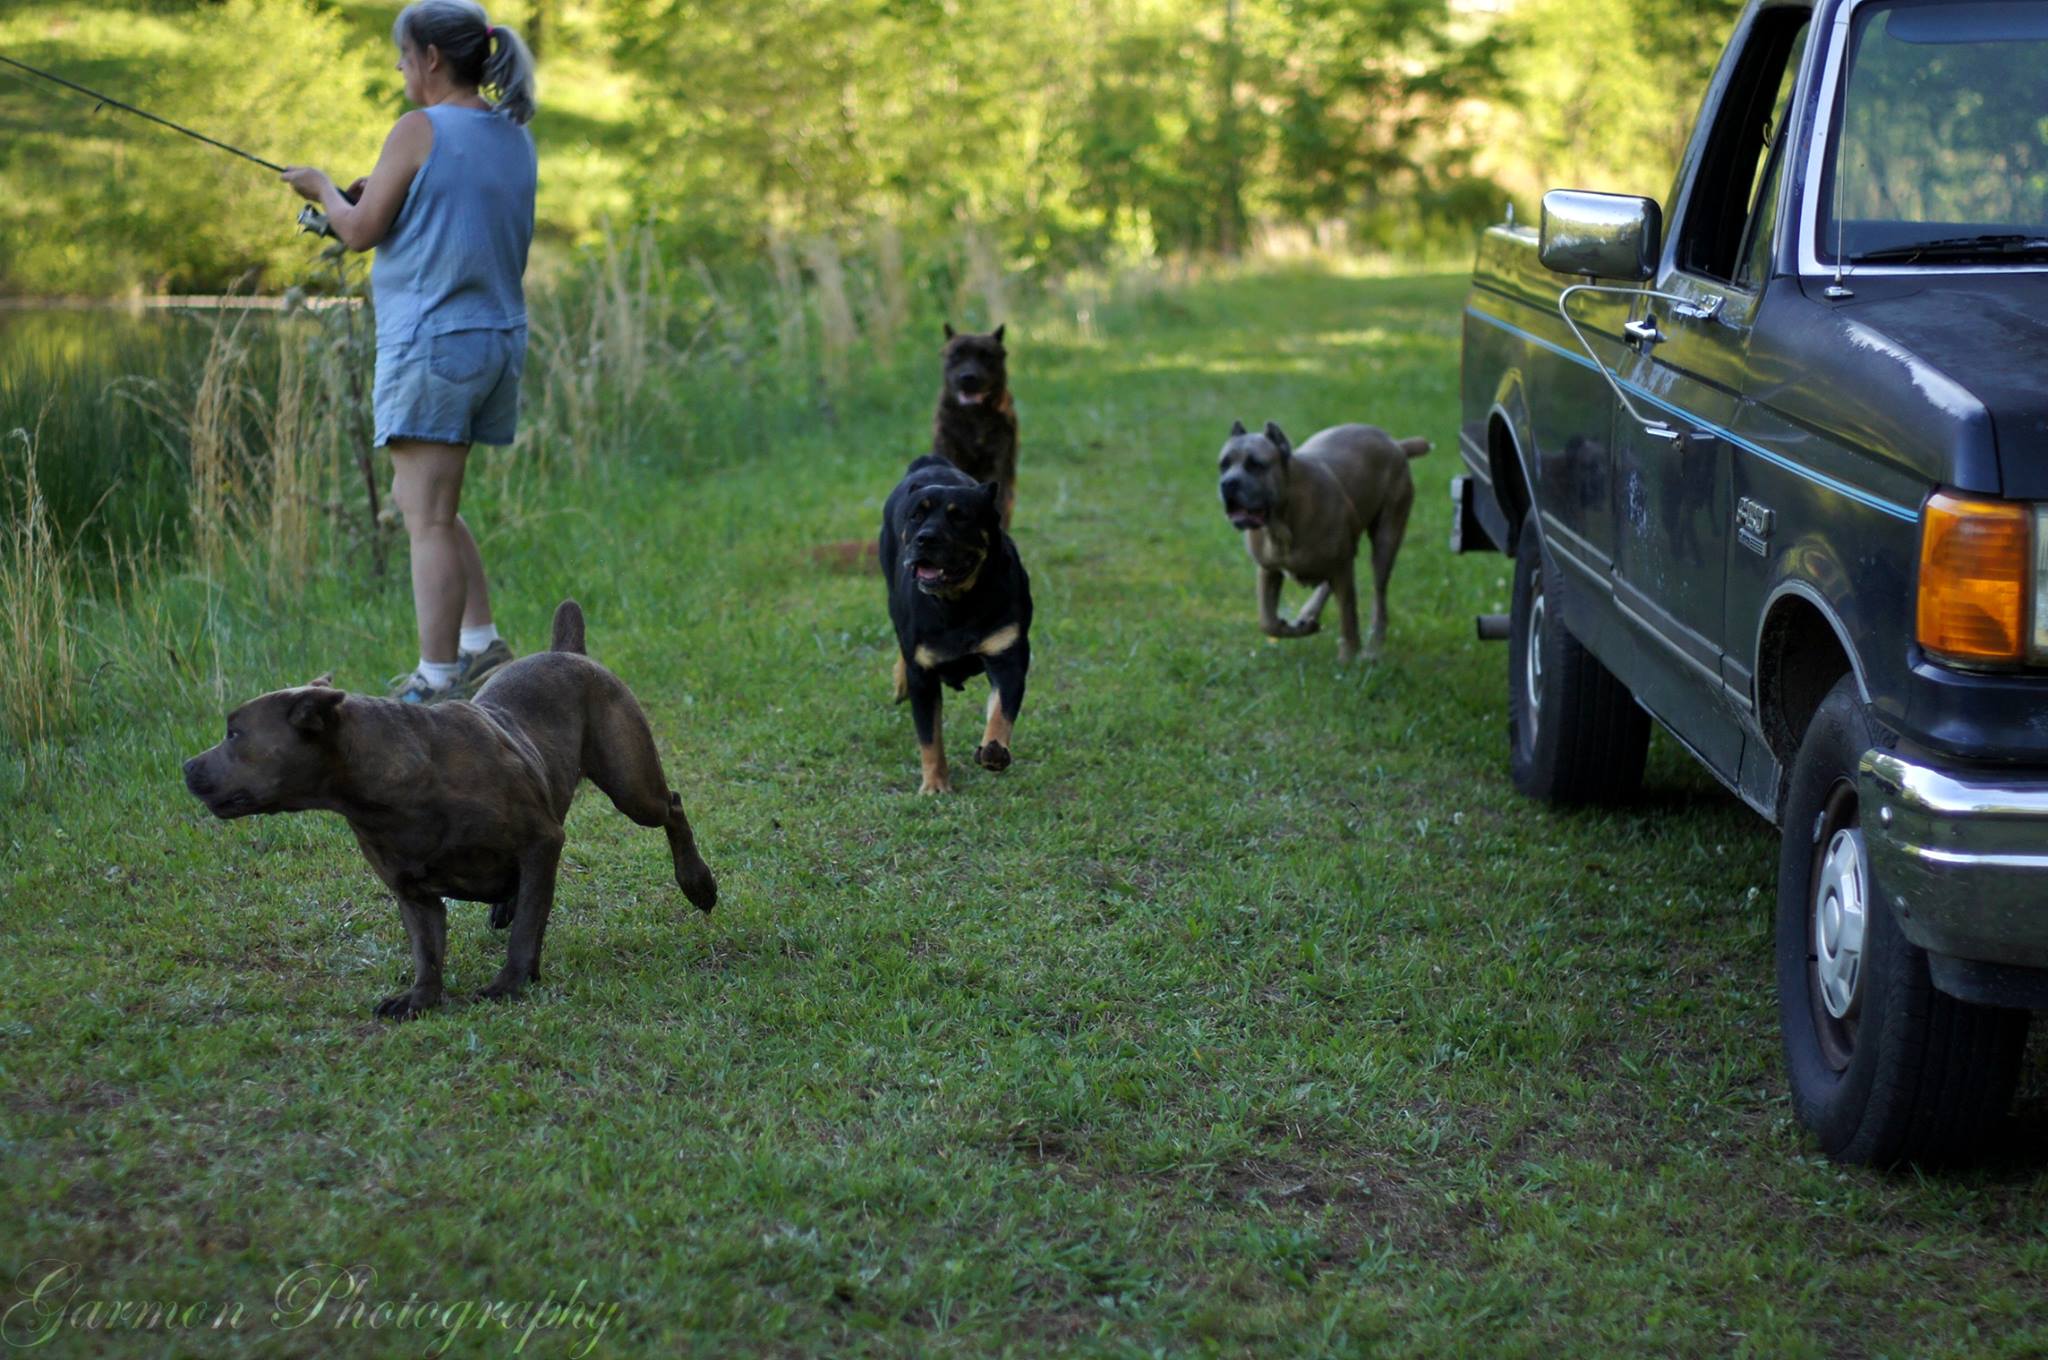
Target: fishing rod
{"points": [[310, 218], [139, 113]]}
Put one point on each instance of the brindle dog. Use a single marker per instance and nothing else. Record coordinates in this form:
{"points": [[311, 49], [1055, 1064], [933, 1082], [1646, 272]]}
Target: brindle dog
{"points": [[461, 800], [960, 603], [975, 426], [1303, 510]]}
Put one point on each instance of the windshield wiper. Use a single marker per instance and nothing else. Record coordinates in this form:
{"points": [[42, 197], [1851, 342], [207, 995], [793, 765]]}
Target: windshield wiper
{"points": [[1991, 245]]}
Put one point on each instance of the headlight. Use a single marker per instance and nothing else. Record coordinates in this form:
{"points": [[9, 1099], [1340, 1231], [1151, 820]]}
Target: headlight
{"points": [[1980, 567]]}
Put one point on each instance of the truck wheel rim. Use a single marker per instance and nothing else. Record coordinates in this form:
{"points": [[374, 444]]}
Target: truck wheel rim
{"points": [[1840, 910], [1532, 658]]}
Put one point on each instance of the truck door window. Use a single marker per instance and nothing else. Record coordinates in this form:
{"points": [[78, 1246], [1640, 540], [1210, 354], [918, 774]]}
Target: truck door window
{"points": [[1730, 180], [1763, 203]]}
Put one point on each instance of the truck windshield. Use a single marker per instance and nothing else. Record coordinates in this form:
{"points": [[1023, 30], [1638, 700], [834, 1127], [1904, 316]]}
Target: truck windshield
{"points": [[1939, 148]]}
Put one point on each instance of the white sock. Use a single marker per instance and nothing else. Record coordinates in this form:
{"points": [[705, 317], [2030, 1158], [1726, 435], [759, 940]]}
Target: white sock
{"points": [[477, 638], [437, 674]]}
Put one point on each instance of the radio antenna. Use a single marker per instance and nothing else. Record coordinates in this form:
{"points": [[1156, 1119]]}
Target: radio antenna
{"points": [[1838, 289]]}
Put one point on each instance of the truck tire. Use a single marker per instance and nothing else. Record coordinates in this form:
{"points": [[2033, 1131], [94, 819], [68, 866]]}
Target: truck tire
{"points": [[1575, 734], [1884, 1068]]}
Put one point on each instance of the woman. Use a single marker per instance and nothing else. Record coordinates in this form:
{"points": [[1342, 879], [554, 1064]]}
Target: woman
{"points": [[449, 209]]}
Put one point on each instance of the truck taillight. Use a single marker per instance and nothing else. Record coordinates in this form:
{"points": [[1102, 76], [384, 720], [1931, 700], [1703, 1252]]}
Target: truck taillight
{"points": [[1979, 570]]}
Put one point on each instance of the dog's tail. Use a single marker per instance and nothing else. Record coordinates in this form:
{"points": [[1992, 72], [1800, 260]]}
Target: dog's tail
{"points": [[1415, 448], [568, 628]]}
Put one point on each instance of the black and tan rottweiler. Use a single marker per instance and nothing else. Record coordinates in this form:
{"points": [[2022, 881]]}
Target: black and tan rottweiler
{"points": [[961, 604], [975, 426], [461, 800]]}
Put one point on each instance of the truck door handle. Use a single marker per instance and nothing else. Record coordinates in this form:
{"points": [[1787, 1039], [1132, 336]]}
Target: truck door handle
{"points": [[1643, 334]]}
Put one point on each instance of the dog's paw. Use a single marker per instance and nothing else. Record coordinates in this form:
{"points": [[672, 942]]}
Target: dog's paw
{"points": [[501, 914], [506, 984], [409, 1004], [698, 884], [992, 756], [1306, 627], [939, 785]]}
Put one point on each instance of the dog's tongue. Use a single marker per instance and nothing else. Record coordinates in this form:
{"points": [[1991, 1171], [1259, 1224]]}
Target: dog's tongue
{"points": [[1247, 519], [970, 398], [925, 573]]}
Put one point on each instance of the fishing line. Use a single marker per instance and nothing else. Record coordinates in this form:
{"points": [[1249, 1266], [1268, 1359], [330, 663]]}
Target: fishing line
{"points": [[107, 99]]}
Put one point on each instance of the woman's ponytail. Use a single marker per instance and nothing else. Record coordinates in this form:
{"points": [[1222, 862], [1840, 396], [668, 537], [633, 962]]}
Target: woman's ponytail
{"points": [[508, 73], [493, 59]]}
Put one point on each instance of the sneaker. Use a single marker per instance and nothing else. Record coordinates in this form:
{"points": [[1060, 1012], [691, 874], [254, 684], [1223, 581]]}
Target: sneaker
{"points": [[414, 689], [473, 668]]}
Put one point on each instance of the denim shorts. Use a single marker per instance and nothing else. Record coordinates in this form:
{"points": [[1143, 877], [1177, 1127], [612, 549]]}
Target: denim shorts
{"points": [[461, 387]]}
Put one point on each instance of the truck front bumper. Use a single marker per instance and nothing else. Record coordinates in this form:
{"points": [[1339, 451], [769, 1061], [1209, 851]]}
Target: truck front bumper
{"points": [[1963, 859]]}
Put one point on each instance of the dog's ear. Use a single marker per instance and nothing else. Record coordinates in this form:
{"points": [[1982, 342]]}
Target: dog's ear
{"points": [[949, 329], [323, 681], [1279, 440], [1236, 428], [316, 708], [991, 497], [999, 332]]}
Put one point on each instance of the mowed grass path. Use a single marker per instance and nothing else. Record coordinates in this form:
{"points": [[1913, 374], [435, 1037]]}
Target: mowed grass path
{"points": [[1250, 1013]]}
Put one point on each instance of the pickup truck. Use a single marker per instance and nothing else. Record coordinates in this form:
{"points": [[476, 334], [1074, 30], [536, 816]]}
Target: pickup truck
{"points": [[1771, 459]]}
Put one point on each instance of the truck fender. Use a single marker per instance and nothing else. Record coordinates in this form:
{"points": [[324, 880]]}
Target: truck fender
{"points": [[1786, 695], [1508, 437]]}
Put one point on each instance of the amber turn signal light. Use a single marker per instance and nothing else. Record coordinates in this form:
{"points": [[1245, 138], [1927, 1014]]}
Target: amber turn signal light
{"points": [[1973, 578]]}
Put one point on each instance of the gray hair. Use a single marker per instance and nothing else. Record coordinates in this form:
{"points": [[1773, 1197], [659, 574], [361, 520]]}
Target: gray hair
{"points": [[477, 54]]}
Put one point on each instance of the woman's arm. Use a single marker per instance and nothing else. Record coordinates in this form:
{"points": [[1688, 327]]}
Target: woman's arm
{"points": [[362, 224]]}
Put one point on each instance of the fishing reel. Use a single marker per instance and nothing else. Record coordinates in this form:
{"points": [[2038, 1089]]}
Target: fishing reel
{"points": [[314, 222]]}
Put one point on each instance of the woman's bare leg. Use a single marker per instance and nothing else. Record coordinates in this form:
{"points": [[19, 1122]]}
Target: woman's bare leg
{"points": [[427, 484], [476, 599]]}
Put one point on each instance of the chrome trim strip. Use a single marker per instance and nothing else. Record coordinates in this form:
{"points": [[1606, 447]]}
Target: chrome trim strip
{"points": [[1929, 790], [1669, 644], [1963, 859], [1475, 459], [1591, 559], [1910, 514]]}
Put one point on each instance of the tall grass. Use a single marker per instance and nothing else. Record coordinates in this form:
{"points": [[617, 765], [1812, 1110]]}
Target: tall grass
{"points": [[598, 348], [39, 659], [289, 540], [217, 451]]}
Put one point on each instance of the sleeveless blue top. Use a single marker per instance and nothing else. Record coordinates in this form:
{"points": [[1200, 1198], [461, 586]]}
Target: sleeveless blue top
{"points": [[455, 256]]}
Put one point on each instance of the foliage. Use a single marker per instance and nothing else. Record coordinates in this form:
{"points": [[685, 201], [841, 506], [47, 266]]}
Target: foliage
{"points": [[1601, 94], [1073, 133], [97, 202]]}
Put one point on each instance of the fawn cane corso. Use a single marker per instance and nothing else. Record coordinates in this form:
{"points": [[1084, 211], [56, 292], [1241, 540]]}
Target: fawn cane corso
{"points": [[1303, 511]]}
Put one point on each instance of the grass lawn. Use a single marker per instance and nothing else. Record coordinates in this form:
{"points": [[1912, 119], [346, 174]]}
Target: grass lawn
{"points": [[1250, 1013]]}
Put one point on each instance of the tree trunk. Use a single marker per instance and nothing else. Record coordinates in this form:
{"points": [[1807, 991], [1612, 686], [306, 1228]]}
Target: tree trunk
{"points": [[1230, 223]]}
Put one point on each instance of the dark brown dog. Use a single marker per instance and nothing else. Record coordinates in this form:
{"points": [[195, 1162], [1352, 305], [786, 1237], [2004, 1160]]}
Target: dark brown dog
{"points": [[975, 427], [461, 800]]}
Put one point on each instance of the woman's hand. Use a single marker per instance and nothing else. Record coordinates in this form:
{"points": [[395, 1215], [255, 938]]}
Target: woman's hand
{"points": [[310, 184]]}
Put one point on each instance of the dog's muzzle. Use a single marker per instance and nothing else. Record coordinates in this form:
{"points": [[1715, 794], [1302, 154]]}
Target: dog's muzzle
{"points": [[970, 388], [199, 783], [1245, 512], [937, 571]]}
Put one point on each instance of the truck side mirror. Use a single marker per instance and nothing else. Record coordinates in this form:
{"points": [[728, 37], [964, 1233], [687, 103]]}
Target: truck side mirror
{"points": [[1609, 236]]}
